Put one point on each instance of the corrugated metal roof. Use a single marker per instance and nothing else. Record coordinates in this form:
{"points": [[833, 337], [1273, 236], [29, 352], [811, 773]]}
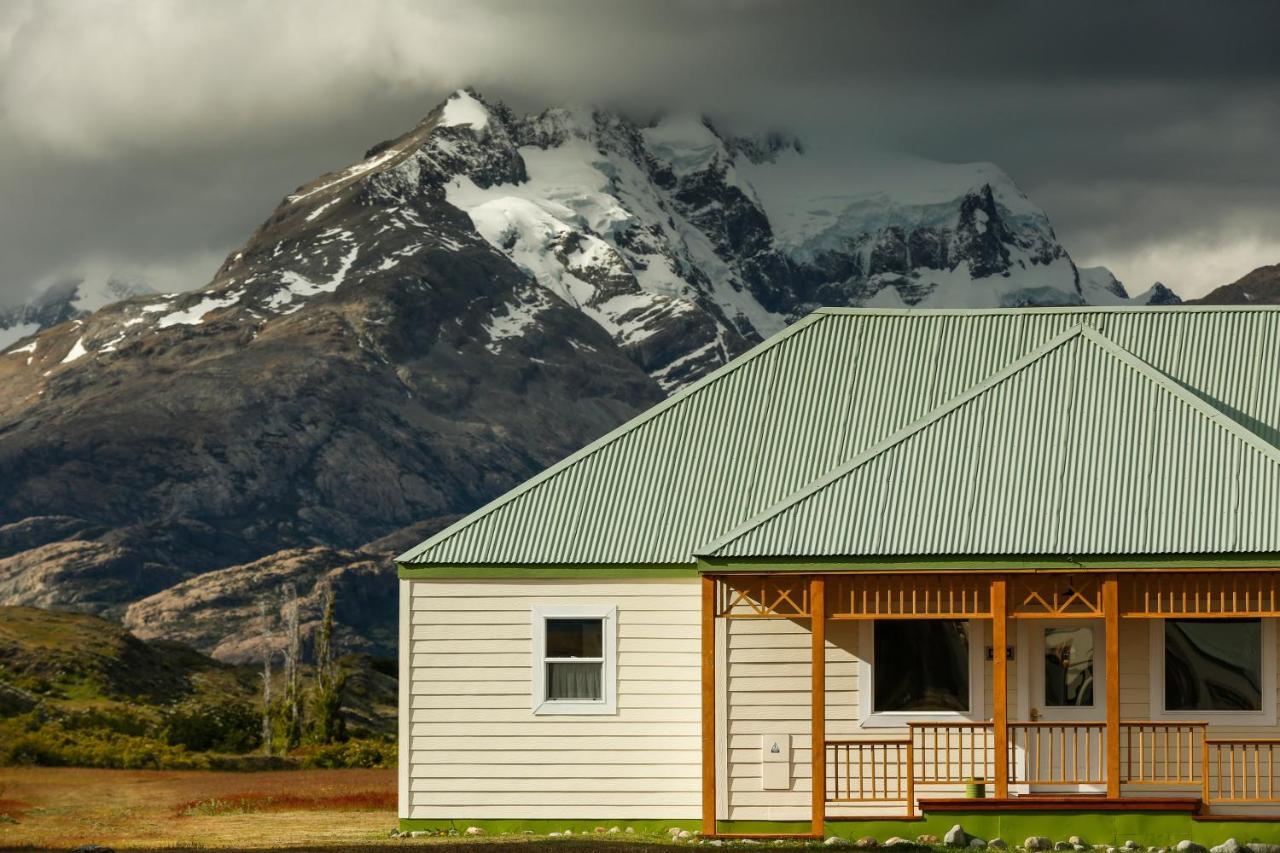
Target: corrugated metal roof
{"points": [[1078, 448], [839, 383]]}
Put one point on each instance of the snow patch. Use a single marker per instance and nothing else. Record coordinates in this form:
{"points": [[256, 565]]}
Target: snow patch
{"points": [[77, 351], [313, 215], [462, 110], [194, 315], [299, 286], [349, 174]]}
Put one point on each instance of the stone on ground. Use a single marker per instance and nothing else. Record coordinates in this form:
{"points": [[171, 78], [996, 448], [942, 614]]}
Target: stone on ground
{"points": [[897, 841], [836, 841], [1228, 846], [1186, 845], [955, 837], [998, 843], [1038, 842], [474, 830], [866, 842]]}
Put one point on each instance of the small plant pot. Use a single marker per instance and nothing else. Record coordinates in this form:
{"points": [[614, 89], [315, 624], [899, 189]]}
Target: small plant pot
{"points": [[975, 789]]}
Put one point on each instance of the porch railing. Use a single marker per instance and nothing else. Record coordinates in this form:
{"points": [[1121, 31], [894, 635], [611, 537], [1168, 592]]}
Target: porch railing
{"points": [[1240, 770], [1058, 753], [1042, 754]]}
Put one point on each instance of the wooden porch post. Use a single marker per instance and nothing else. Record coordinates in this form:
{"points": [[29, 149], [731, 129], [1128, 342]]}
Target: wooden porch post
{"points": [[1000, 685], [1111, 617], [708, 706], [818, 723]]}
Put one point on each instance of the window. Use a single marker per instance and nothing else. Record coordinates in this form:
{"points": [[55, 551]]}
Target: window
{"points": [[1213, 665], [1068, 667], [920, 668], [1222, 670], [573, 659]]}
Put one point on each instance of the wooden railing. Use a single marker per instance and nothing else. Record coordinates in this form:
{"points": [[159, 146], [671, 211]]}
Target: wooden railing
{"points": [[870, 771], [952, 753], [1058, 753], [1046, 754], [1240, 770], [1161, 753]]}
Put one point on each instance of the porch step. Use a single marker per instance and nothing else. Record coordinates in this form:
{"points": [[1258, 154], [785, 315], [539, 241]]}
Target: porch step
{"points": [[1063, 803]]}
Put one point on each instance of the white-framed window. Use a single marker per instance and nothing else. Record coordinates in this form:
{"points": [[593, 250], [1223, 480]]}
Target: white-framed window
{"points": [[1217, 670], [920, 669], [575, 659]]}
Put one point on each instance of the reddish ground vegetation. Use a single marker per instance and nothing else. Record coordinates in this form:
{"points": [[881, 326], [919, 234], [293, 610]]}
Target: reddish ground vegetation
{"points": [[262, 801]]}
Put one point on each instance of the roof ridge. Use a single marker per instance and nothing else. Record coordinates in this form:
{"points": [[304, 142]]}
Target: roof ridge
{"points": [[894, 439], [767, 345], [1174, 387]]}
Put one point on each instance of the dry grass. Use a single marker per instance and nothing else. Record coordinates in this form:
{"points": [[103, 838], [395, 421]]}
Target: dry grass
{"points": [[66, 807]]}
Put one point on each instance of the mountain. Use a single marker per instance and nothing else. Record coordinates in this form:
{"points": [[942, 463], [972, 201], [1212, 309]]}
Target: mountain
{"points": [[410, 336], [1260, 287], [63, 300]]}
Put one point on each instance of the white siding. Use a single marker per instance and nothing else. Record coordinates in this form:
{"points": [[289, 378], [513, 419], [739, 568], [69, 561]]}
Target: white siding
{"points": [[476, 750]]}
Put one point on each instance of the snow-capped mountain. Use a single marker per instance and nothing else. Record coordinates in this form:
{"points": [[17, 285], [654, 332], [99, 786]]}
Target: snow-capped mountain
{"points": [[405, 338], [64, 300], [684, 245]]}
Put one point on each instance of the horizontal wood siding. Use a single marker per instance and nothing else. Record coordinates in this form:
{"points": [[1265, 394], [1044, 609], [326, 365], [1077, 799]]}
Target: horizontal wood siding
{"points": [[478, 751]]}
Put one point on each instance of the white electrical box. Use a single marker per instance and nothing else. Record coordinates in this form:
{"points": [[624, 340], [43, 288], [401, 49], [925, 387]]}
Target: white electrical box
{"points": [[775, 761]]}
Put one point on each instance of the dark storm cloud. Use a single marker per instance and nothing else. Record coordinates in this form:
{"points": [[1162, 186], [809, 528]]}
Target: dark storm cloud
{"points": [[149, 138]]}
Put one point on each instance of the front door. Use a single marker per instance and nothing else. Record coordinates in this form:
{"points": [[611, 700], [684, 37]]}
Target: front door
{"points": [[1063, 746]]}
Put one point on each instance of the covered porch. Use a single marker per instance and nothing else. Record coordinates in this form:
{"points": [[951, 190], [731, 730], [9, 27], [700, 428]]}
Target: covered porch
{"points": [[1016, 743]]}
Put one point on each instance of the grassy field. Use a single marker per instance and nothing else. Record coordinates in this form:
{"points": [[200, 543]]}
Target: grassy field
{"points": [[66, 807]]}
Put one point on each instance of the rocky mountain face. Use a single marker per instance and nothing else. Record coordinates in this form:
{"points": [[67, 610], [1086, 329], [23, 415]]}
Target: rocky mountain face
{"points": [[404, 339], [1260, 287]]}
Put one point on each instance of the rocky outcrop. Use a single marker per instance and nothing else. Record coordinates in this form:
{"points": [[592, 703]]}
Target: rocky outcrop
{"points": [[221, 612]]}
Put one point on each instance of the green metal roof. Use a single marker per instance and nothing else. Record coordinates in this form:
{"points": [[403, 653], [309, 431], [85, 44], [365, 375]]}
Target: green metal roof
{"points": [[1119, 425], [1077, 448]]}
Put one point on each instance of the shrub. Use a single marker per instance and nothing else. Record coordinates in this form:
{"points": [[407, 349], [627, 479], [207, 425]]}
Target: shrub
{"points": [[353, 753], [230, 727]]}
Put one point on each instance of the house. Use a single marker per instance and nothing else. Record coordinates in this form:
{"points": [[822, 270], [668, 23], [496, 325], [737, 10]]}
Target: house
{"points": [[889, 571]]}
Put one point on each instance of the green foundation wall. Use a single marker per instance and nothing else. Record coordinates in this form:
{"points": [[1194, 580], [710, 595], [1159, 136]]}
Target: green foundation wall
{"points": [[1112, 828], [542, 826]]}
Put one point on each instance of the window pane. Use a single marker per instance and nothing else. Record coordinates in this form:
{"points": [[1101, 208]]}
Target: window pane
{"points": [[921, 665], [1068, 667], [1213, 664], [575, 638], [574, 681]]}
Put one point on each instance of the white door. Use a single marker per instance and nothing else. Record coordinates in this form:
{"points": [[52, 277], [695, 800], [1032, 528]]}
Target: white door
{"points": [[1063, 747]]}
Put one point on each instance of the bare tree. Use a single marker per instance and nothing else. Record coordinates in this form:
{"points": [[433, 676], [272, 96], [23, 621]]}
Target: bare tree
{"points": [[264, 615], [292, 667]]}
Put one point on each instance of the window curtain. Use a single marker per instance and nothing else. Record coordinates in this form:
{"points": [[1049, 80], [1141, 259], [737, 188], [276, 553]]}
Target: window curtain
{"points": [[574, 681]]}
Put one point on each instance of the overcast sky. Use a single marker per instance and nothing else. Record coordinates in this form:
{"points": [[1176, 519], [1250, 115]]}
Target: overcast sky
{"points": [[149, 138]]}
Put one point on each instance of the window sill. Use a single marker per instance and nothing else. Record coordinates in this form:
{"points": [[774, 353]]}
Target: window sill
{"points": [[899, 720], [574, 709]]}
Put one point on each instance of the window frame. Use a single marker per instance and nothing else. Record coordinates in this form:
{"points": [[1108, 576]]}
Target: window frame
{"points": [[872, 719], [608, 703], [1265, 717]]}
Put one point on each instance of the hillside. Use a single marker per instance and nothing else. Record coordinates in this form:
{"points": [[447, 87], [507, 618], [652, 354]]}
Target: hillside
{"points": [[77, 689]]}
